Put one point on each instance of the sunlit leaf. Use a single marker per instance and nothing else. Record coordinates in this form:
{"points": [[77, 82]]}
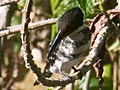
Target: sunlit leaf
{"points": [[107, 75], [54, 4], [100, 5], [16, 47], [107, 71], [50, 88]]}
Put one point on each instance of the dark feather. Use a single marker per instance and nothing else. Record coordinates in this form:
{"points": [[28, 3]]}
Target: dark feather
{"points": [[68, 23]]}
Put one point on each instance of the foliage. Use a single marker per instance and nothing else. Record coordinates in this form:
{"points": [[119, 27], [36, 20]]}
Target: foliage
{"points": [[21, 4], [56, 6], [87, 7]]}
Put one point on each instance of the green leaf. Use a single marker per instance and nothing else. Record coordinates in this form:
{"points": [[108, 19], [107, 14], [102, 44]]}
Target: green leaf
{"points": [[107, 75], [107, 70], [69, 6], [100, 5], [86, 6], [53, 32], [21, 4], [50, 88], [54, 4]]}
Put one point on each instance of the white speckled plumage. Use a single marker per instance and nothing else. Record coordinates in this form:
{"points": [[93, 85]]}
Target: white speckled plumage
{"points": [[68, 48], [70, 45]]}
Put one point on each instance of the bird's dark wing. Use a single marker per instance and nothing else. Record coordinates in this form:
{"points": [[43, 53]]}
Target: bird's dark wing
{"points": [[70, 21], [54, 42]]}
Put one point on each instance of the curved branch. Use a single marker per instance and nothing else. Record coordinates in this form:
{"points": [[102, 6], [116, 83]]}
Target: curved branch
{"points": [[86, 65]]}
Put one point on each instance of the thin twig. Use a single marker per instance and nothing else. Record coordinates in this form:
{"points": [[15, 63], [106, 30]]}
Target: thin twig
{"points": [[8, 2], [31, 26]]}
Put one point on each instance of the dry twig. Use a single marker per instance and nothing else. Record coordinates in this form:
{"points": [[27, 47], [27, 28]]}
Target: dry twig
{"points": [[31, 26], [8, 2]]}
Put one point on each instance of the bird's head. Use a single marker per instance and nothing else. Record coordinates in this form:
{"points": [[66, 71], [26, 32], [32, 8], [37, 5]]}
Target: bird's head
{"points": [[69, 22]]}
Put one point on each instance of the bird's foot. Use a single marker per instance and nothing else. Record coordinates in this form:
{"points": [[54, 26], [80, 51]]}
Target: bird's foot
{"points": [[65, 76], [75, 70]]}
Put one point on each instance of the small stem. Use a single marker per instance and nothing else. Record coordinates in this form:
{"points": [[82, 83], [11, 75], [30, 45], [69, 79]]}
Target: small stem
{"points": [[31, 26], [8, 2]]}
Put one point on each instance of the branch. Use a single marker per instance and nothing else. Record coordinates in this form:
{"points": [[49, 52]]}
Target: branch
{"points": [[101, 26], [86, 65], [93, 54], [99, 41], [25, 34], [27, 52], [8, 2], [31, 26]]}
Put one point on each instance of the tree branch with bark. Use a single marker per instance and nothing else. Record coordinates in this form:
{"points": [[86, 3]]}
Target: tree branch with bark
{"points": [[31, 26]]}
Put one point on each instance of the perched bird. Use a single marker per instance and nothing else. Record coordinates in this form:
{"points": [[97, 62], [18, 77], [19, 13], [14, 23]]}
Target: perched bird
{"points": [[70, 45]]}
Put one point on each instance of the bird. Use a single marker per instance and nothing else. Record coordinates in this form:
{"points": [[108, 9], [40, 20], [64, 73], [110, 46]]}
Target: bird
{"points": [[70, 45]]}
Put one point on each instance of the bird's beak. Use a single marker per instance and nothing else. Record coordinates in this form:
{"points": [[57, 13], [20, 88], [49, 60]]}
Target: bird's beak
{"points": [[58, 37], [56, 40]]}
